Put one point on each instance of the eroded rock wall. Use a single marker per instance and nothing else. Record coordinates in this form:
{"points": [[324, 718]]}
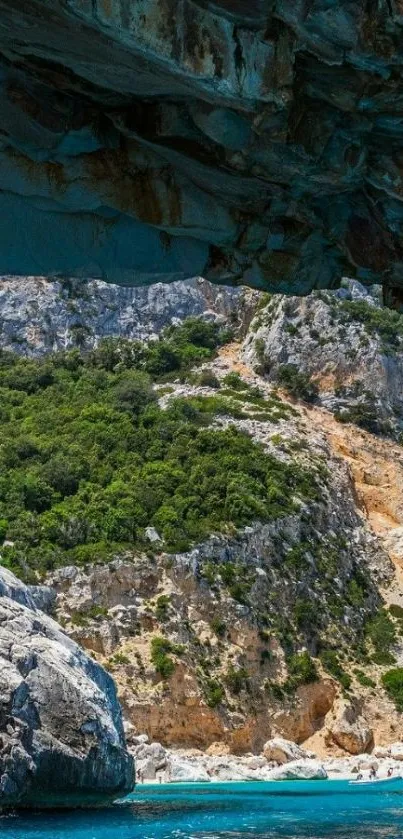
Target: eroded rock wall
{"points": [[154, 140]]}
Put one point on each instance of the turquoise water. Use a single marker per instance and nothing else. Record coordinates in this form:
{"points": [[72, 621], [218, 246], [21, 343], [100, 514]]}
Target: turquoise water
{"points": [[312, 810]]}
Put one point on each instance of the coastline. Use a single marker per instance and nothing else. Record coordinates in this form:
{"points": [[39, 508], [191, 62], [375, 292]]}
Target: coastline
{"points": [[156, 765]]}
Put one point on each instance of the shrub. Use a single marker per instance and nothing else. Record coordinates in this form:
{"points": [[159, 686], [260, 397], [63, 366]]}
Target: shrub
{"points": [[164, 665], [296, 383], [381, 632], [302, 670], [120, 658], [393, 684], [330, 661], [236, 680], [162, 607], [364, 680], [207, 378], [214, 693], [234, 380], [219, 627]]}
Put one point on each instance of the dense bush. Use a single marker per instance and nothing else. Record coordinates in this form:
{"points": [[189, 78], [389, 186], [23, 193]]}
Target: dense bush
{"points": [[381, 633], [88, 459], [296, 383], [214, 693], [393, 684], [385, 322], [302, 671], [330, 661], [163, 663]]}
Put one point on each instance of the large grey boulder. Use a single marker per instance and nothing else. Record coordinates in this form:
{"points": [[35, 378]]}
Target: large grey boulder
{"points": [[61, 733], [299, 770]]}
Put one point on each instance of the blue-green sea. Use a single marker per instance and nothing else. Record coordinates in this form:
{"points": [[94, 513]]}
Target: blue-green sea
{"points": [[226, 811]]}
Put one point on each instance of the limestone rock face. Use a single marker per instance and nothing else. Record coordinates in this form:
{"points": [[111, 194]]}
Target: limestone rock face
{"points": [[152, 140], [333, 338], [39, 315], [61, 734], [350, 730]]}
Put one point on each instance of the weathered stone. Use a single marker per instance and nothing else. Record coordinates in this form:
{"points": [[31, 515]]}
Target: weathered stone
{"points": [[39, 315], [299, 770], [396, 751], [350, 730], [282, 751], [151, 140], [61, 730], [182, 770]]}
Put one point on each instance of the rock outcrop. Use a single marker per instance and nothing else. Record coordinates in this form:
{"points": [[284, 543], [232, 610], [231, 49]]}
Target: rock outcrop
{"points": [[283, 751], [38, 315], [345, 342], [350, 731], [299, 770], [61, 733], [153, 140]]}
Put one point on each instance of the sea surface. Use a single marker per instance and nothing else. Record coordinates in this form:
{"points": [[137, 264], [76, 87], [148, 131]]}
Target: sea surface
{"points": [[312, 810]]}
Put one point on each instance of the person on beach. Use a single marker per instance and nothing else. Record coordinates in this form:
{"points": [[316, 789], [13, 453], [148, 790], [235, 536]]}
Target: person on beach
{"points": [[390, 771]]}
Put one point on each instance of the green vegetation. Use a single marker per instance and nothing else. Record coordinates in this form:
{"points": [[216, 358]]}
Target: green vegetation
{"points": [[119, 658], [397, 612], [381, 633], [219, 627], [330, 662], [214, 693], [296, 383], [364, 680], [162, 607], [382, 321], [302, 671], [160, 649], [236, 679], [88, 460], [238, 579], [393, 684]]}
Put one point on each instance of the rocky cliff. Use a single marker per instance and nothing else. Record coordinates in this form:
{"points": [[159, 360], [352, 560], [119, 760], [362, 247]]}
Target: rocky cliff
{"points": [[285, 627], [38, 315], [346, 344], [155, 140], [61, 734]]}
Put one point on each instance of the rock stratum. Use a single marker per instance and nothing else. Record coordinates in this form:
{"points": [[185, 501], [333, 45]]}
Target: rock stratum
{"points": [[61, 733], [154, 140]]}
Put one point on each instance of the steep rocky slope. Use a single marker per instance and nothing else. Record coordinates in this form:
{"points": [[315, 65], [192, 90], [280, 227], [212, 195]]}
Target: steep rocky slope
{"points": [[152, 140], [61, 733], [283, 627], [346, 343], [38, 315]]}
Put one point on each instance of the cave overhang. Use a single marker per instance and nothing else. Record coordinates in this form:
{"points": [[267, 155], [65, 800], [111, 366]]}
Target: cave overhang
{"points": [[252, 141]]}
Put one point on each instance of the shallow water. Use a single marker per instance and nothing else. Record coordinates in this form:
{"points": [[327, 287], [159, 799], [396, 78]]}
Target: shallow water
{"points": [[226, 811]]}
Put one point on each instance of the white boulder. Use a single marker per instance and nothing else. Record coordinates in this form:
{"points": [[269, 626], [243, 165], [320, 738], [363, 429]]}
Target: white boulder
{"points": [[299, 770]]}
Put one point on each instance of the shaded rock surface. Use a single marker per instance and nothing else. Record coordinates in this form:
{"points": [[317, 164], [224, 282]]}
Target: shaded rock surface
{"points": [[61, 733], [153, 140]]}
